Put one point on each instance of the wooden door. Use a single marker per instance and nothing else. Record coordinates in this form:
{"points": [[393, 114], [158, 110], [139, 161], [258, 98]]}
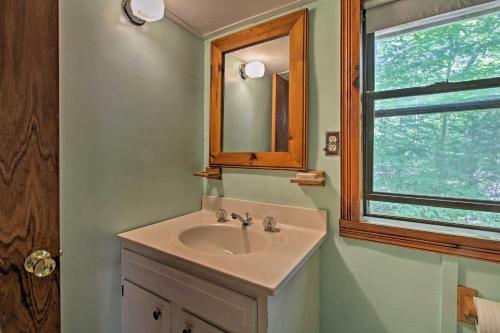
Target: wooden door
{"points": [[280, 113], [29, 171], [144, 312]]}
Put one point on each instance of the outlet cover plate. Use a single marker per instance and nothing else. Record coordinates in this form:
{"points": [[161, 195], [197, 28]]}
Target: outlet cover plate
{"points": [[332, 147]]}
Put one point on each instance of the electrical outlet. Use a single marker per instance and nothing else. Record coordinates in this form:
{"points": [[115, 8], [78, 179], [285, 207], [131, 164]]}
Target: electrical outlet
{"points": [[332, 147]]}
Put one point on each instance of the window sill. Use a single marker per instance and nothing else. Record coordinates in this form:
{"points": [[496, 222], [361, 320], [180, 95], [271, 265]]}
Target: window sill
{"points": [[440, 229], [482, 245]]}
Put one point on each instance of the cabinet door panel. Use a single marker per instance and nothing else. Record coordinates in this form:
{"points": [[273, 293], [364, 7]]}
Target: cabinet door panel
{"points": [[144, 312], [189, 323], [225, 308]]}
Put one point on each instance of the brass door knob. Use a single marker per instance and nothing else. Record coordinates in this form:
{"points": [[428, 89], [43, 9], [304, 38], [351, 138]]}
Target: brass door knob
{"points": [[40, 263]]}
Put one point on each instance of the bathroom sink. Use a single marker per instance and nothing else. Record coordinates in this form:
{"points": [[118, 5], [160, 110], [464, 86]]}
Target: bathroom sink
{"points": [[252, 257], [224, 239]]}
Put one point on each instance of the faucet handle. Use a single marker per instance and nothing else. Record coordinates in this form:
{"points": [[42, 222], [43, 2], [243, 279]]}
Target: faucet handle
{"points": [[270, 223], [221, 215], [249, 219]]}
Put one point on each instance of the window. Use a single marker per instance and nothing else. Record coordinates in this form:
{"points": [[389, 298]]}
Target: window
{"points": [[477, 244], [432, 121]]}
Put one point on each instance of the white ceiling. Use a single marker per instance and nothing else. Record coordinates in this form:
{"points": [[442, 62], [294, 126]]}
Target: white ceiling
{"points": [[275, 54], [207, 18]]}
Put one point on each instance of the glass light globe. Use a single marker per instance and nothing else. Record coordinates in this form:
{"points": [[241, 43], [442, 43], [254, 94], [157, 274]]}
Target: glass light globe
{"points": [[148, 10], [255, 69]]}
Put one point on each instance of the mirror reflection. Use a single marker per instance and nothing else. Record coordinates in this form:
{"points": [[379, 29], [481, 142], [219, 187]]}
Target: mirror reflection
{"points": [[255, 94]]}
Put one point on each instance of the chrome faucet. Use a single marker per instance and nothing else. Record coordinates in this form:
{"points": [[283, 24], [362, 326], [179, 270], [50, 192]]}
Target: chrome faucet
{"points": [[245, 221]]}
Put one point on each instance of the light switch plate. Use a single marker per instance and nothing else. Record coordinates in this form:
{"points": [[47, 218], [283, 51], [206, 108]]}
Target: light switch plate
{"points": [[332, 147]]}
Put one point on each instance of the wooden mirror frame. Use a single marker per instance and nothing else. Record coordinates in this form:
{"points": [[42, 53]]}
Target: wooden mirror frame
{"points": [[352, 222], [294, 25]]}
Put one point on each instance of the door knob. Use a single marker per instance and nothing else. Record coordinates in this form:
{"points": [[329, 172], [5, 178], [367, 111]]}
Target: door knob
{"points": [[40, 263]]}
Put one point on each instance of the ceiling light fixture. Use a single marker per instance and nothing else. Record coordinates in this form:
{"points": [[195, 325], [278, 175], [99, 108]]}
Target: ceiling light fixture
{"points": [[253, 70], [139, 12]]}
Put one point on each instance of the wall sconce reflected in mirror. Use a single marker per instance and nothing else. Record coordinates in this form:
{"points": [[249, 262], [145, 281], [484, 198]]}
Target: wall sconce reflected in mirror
{"points": [[253, 70], [139, 12]]}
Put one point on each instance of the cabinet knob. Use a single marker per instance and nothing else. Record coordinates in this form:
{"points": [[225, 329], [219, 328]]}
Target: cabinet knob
{"points": [[156, 315], [188, 327]]}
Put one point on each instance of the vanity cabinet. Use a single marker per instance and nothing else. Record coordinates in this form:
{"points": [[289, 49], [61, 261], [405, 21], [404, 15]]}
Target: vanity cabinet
{"points": [[160, 298], [228, 280]]}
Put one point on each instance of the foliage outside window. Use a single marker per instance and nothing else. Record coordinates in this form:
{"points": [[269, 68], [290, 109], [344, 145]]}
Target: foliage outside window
{"points": [[432, 123]]}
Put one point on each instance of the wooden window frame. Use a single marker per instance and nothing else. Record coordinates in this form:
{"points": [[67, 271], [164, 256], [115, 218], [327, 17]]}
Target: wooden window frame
{"points": [[352, 222]]}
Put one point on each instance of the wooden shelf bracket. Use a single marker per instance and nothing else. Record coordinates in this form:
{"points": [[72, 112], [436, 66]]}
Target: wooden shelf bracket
{"points": [[311, 178], [210, 173]]}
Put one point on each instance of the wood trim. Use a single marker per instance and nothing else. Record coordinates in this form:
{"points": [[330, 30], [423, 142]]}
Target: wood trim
{"points": [[296, 26], [351, 225], [216, 100], [263, 160], [483, 249], [274, 107], [260, 33], [350, 110]]}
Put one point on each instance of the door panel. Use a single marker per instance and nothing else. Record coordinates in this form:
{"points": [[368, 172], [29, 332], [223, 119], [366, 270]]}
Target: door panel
{"points": [[29, 170], [185, 322], [144, 312], [280, 115]]}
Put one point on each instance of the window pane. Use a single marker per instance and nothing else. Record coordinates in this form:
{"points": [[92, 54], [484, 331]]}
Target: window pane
{"points": [[467, 217], [459, 51], [437, 99], [451, 154]]}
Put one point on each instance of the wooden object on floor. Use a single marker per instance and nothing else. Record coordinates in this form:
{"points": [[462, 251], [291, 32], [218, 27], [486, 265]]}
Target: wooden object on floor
{"points": [[211, 173], [466, 310], [311, 178]]}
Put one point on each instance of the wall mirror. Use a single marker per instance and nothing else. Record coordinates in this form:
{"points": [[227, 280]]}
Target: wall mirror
{"points": [[258, 109]]}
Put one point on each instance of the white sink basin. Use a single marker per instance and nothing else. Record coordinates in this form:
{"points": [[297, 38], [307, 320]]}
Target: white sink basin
{"points": [[224, 239], [251, 256]]}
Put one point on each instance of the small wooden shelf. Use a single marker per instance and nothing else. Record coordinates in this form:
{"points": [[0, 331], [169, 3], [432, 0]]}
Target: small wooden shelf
{"points": [[311, 178], [210, 173]]}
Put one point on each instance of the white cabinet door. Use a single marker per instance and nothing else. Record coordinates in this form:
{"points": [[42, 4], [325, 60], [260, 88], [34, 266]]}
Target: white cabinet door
{"points": [[188, 323], [225, 308], [143, 312]]}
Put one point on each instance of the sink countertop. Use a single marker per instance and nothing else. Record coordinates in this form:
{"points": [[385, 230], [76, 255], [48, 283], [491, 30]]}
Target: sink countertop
{"points": [[302, 231]]}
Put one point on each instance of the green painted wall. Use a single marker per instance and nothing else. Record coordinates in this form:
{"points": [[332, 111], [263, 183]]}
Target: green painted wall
{"points": [[247, 109], [131, 134], [365, 287]]}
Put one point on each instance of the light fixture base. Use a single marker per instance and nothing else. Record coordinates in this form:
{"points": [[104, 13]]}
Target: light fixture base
{"points": [[127, 11], [243, 75]]}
